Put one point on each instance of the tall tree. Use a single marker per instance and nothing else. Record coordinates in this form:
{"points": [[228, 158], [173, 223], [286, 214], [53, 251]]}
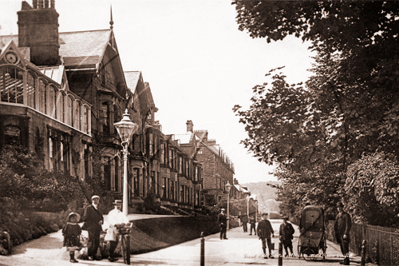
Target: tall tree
{"points": [[349, 106]]}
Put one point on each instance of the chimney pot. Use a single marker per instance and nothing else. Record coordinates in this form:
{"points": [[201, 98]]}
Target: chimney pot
{"points": [[190, 126]]}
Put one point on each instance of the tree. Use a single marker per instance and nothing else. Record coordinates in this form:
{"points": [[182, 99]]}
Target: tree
{"points": [[373, 186], [336, 25], [287, 126], [349, 107]]}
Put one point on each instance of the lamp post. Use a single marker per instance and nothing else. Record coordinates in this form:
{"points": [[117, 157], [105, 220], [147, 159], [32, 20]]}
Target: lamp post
{"points": [[256, 213], [228, 187], [126, 129], [248, 207]]}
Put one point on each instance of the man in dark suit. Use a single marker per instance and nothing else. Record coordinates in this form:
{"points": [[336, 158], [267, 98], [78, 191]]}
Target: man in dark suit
{"points": [[252, 222], [93, 221], [342, 227], [286, 235], [222, 220], [265, 229], [244, 220]]}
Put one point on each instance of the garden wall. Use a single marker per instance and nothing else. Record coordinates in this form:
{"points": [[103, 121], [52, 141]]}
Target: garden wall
{"points": [[156, 233]]}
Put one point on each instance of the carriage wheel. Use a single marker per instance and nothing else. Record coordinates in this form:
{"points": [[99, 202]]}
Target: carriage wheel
{"points": [[307, 255]]}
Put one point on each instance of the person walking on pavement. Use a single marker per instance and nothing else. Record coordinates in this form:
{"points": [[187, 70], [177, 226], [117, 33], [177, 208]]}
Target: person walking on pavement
{"points": [[116, 218], [342, 227], [93, 221], [71, 232], [222, 220], [265, 229], [244, 220], [252, 223], [286, 235]]}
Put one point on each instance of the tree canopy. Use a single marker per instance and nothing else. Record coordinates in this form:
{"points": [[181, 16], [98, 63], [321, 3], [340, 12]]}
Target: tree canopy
{"points": [[316, 132]]}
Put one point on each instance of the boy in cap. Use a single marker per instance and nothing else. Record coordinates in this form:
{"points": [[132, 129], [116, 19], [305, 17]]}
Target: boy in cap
{"points": [[115, 218], [286, 235], [93, 223], [265, 229]]}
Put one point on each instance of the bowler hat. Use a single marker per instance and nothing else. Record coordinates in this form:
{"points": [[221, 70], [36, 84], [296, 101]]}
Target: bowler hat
{"points": [[265, 213], [285, 217]]}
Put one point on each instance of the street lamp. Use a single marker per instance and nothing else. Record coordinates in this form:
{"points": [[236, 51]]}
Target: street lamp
{"points": [[228, 187], [256, 213], [126, 129], [248, 206]]}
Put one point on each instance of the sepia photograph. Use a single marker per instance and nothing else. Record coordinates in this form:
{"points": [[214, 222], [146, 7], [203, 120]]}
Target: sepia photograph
{"points": [[199, 132]]}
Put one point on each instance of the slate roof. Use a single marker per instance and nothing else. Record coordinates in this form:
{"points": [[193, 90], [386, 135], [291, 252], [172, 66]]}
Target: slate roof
{"points": [[83, 48], [78, 48], [132, 78]]}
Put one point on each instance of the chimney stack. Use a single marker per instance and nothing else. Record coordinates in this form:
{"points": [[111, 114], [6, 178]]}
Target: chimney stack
{"points": [[38, 30], [190, 126]]}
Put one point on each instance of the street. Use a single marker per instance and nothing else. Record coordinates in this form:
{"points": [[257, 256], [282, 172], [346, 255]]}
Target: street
{"points": [[240, 249]]}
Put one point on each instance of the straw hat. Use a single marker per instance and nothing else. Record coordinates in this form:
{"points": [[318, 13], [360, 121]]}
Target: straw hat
{"points": [[74, 214]]}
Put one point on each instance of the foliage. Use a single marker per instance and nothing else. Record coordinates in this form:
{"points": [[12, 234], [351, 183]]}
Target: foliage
{"points": [[25, 180], [349, 107], [22, 225], [340, 25], [373, 186]]}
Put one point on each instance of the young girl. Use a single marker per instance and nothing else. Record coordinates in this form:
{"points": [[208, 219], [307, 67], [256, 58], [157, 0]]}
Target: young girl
{"points": [[71, 233]]}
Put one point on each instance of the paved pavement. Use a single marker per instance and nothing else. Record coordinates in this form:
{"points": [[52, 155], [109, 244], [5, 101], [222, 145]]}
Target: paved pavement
{"points": [[240, 249]]}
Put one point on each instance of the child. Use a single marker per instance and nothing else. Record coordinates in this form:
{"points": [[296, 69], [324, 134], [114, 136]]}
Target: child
{"points": [[71, 233]]}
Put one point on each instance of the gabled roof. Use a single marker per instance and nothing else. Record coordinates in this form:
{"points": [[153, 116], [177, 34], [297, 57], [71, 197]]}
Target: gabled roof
{"points": [[84, 48], [132, 78], [84, 43], [142, 91], [78, 48]]}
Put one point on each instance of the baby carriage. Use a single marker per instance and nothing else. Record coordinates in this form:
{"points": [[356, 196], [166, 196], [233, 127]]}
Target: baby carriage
{"points": [[312, 237]]}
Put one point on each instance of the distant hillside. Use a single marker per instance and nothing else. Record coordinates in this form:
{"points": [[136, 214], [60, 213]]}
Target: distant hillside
{"points": [[266, 195]]}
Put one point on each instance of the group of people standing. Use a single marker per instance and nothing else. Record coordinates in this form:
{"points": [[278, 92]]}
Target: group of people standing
{"points": [[93, 223], [265, 232]]}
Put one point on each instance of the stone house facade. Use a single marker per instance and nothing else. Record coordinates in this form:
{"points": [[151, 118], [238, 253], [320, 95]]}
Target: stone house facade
{"points": [[217, 171], [61, 94]]}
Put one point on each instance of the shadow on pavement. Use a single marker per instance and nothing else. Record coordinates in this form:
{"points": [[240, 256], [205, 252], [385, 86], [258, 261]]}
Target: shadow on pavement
{"points": [[150, 262]]}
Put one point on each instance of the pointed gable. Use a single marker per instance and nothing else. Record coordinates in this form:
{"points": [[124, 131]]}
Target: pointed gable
{"points": [[142, 91], [10, 54], [84, 49]]}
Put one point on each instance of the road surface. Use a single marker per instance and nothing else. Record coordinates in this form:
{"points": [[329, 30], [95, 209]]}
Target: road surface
{"points": [[240, 249]]}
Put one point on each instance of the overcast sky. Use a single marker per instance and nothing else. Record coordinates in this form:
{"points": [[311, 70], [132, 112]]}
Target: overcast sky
{"points": [[197, 62]]}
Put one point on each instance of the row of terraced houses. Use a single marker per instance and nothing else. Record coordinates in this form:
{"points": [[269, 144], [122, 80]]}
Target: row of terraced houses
{"points": [[61, 94]]}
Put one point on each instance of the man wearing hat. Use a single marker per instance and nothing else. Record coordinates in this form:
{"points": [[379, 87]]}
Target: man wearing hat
{"points": [[286, 235], [93, 224], [265, 229], [115, 218], [222, 220], [342, 227]]}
